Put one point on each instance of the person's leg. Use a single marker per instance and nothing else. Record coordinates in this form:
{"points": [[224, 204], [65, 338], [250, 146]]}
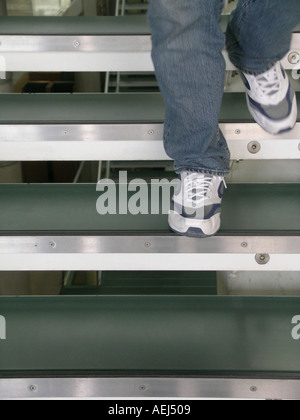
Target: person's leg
{"points": [[190, 68], [258, 37], [187, 54], [259, 33]]}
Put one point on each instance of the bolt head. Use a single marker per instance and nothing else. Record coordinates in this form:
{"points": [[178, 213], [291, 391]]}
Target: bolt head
{"points": [[254, 147], [262, 259], [294, 57]]}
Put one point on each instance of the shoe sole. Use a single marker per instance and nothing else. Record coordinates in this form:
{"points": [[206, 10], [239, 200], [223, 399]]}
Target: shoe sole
{"points": [[272, 126], [193, 233], [194, 229]]}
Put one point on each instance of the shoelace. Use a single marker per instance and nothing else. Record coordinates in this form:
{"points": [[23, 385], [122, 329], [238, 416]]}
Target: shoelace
{"points": [[198, 188], [269, 82]]}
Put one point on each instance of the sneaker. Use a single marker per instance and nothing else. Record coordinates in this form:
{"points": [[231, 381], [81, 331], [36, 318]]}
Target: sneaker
{"points": [[196, 206], [272, 100]]}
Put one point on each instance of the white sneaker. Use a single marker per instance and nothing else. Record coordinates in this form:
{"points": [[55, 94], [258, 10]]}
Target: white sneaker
{"points": [[196, 206], [272, 100]]}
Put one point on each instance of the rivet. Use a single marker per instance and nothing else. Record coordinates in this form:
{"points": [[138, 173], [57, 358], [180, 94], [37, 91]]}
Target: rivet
{"points": [[254, 147], [294, 57], [262, 259]]}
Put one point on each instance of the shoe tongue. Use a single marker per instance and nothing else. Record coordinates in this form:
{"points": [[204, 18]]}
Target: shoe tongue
{"points": [[264, 79], [269, 84], [193, 177]]}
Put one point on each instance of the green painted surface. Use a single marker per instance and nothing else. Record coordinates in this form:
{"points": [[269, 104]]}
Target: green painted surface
{"points": [[169, 334], [103, 108], [57, 207], [101, 25], [80, 108], [87, 25], [108, 25], [150, 283]]}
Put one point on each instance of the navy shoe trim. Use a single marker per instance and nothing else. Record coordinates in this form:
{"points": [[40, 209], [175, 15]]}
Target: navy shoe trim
{"points": [[193, 233], [221, 190], [245, 80]]}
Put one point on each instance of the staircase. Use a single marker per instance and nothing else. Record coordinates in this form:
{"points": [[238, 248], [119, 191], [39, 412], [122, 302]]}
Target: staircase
{"points": [[141, 341]]}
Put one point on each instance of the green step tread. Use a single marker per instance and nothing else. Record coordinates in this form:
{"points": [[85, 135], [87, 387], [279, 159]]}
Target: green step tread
{"points": [[103, 108], [66, 208], [82, 25], [190, 334], [150, 283], [73, 25]]}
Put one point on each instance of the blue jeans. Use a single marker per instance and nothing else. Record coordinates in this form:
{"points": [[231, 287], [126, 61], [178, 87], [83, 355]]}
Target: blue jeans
{"points": [[190, 68]]}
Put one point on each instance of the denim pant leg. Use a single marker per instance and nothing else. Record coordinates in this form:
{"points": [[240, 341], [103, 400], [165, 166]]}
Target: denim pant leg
{"points": [[259, 33], [190, 68]]}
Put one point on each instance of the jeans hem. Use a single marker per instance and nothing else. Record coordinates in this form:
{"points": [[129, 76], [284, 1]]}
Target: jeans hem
{"points": [[253, 73], [205, 171]]}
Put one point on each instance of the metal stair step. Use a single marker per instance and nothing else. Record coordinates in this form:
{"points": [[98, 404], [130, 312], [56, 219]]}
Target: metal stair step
{"points": [[149, 340], [108, 44], [120, 127], [47, 227]]}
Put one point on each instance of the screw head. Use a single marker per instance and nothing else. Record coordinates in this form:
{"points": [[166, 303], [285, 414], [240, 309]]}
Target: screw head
{"points": [[262, 259], [151, 132], [253, 389], [294, 57], [52, 244], [33, 388], [254, 147], [142, 387], [244, 244], [147, 244], [238, 131], [76, 44]]}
